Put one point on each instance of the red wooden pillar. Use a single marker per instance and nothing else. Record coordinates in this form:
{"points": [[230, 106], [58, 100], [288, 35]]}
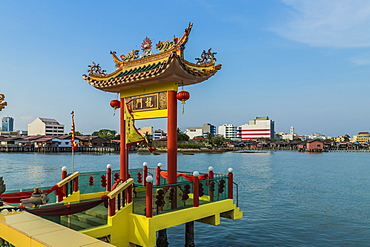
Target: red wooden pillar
{"points": [[172, 137], [211, 183], [123, 150], [64, 172], [210, 172], [145, 172], [64, 188], [112, 207], [123, 146], [158, 174], [230, 183], [109, 177], [75, 184], [149, 197], [195, 189]]}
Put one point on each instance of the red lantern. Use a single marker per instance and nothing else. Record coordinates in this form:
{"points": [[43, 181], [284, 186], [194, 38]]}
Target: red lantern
{"points": [[115, 104], [183, 96]]}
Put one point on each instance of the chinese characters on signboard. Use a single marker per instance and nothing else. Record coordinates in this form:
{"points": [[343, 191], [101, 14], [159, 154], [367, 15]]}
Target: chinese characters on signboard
{"points": [[148, 102]]}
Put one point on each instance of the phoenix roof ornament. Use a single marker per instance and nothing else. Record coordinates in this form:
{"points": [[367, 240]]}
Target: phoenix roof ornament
{"points": [[2, 104]]}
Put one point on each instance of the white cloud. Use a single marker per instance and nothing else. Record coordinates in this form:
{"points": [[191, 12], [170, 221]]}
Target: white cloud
{"points": [[327, 23], [363, 59]]}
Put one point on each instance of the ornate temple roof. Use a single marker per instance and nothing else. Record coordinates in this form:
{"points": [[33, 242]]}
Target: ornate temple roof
{"points": [[147, 69]]}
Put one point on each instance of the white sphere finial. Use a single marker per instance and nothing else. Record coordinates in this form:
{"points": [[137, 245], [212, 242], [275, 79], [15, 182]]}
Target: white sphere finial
{"points": [[159, 165], [149, 179], [145, 164], [230, 170], [195, 173], [109, 166], [64, 169], [210, 168]]}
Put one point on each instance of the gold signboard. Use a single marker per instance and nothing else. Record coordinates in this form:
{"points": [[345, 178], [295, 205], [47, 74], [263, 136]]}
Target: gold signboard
{"points": [[151, 105]]}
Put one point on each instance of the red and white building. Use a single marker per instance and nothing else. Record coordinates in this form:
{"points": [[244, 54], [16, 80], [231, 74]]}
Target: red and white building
{"points": [[259, 128]]}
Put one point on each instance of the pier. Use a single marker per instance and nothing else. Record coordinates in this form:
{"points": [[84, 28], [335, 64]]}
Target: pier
{"points": [[143, 202], [140, 206]]}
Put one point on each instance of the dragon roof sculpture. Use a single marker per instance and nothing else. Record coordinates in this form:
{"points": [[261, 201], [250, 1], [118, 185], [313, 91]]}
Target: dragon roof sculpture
{"points": [[148, 68]]}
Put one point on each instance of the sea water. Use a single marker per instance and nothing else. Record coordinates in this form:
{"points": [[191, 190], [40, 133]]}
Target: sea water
{"points": [[288, 198]]}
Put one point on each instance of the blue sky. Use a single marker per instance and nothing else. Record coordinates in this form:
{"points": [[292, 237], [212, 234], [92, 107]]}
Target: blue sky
{"points": [[303, 63]]}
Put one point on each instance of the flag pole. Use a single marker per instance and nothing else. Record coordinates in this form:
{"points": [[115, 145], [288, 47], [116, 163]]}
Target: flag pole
{"points": [[73, 143], [73, 160]]}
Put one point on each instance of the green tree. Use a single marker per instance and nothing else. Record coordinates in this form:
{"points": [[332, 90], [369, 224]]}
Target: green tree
{"points": [[209, 138], [218, 141], [106, 134], [182, 136], [77, 133]]}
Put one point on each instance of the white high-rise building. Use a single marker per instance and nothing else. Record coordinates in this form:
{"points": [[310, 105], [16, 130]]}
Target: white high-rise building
{"points": [[259, 128], [228, 131]]}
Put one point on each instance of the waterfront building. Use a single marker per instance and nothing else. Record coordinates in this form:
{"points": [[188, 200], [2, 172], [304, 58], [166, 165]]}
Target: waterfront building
{"points": [[23, 132], [201, 131], [45, 126], [154, 134], [259, 128], [159, 135], [9, 133], [317, 136], [64, 141], [362, 137], [146, 131], [193, 132], [228, 131], [314, 145], [91, 141], [302, 138], [344, 138], [287, 136], [209, 128], [11, 141], [7, 124], [45, 141]]}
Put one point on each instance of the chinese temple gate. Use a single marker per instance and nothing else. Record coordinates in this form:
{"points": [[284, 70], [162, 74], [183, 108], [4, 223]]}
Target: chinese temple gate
{"points": [[152, 80], [91, 207]]}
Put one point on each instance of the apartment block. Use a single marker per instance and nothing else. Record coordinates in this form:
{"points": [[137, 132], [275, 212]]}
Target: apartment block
{"points": [[7, 124], [228, 131], [201, 131], [45, 126], [259, 128]]}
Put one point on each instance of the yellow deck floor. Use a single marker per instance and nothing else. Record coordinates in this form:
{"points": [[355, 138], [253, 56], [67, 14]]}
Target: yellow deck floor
{"points": [[25, 229]]}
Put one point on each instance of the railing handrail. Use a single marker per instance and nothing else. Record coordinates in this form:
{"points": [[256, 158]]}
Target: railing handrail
{"points": [[237, 194], [121, 187], [68, 179]]}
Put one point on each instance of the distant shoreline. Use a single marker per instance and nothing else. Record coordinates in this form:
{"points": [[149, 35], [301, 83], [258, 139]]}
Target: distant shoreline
{"points": [[186, 151]]}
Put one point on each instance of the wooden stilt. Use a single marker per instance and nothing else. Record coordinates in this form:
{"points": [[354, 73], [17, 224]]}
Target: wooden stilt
{"points": [[162, 238], [189, 234]]}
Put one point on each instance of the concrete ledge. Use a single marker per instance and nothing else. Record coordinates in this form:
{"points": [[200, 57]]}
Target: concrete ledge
{"points": [[28, 230]]}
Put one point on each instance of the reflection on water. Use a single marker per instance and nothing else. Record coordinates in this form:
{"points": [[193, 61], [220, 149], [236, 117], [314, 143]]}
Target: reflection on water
{"points": [[288, 198]]}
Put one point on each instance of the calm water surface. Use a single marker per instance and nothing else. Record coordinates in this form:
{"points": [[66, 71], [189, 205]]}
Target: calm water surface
{"points": [[288, 198]]}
